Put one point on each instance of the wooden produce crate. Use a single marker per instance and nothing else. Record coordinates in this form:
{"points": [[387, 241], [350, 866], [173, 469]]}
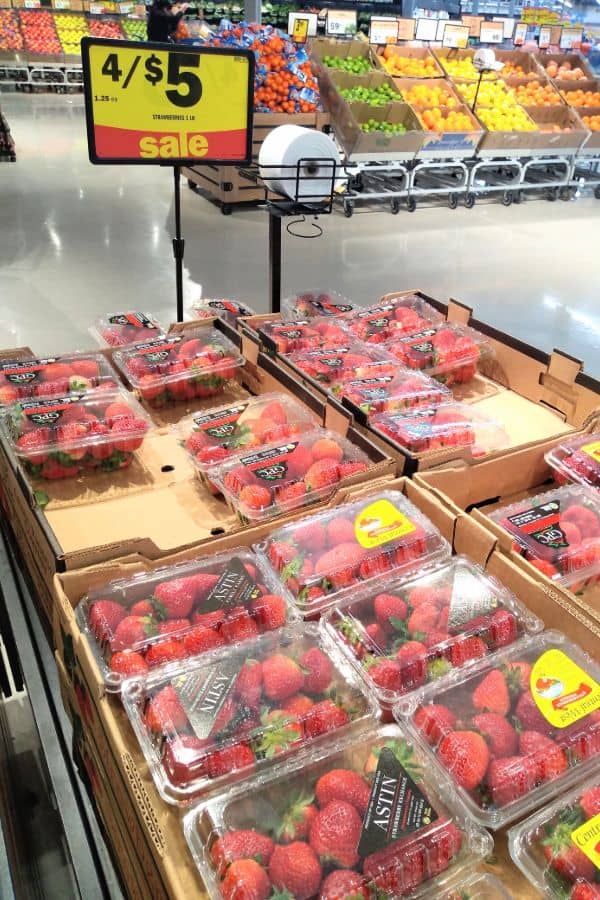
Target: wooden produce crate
{"points": [[557, 142], [415, 53]]}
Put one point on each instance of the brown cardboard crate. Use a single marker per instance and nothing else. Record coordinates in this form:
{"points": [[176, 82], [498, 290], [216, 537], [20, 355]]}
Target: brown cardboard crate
{"points": [[523, 58], [324, 46], [591, 146], [440, 143], [360, 145], [577, 61], [410, 53], [568, 87], [559, 142]]}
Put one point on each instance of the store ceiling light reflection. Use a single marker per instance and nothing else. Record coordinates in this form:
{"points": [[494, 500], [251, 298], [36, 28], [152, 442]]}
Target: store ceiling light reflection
{"points": [[590, 322]]}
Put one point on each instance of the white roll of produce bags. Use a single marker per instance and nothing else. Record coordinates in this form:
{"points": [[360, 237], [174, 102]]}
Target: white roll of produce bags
{"points": [[281, 152]]}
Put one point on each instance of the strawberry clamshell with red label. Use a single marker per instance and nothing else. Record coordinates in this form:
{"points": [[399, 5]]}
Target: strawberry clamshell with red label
{"points": [[66, 436], [364, 817], [407, 632], [227, 309], [558, 848], [335, 366], [448, 352], [391, 319], [55, 376], [284, 476], [558, 532], [314, 304], [327, 556], [292, 337], [514, 729], [122, 328], [576, 460], [400, 392], [153, 619], [186, 366], [206, 722]]}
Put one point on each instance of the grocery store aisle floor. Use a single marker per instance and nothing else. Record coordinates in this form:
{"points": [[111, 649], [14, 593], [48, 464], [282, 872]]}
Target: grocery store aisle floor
{"points": [[78, 240]]}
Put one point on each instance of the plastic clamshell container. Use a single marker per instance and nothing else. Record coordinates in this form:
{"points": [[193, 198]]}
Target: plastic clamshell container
{"points": [[240, 713], [405, 633], [180, 367], [122, 328], [227, 309], [232, 429], [180, 611], [292, 337], [315, 303], [328, 555], [334, 366], [393, 393], [478, 887], [450, 424], [430, 846], [392, 319], [557, 847], [61, 437], [447, 351], [286, 475], [543, 683], [558, 532], [576, 460], [54, 376]]}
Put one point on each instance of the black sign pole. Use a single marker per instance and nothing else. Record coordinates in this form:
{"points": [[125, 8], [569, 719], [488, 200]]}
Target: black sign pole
{"points": [[274, 261], [178, 243]]}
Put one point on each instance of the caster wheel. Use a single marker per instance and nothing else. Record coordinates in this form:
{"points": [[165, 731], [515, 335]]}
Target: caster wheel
{"points": [[395, 206], [348, 209], [191, 185], [552, 195], [566, 194], [517, 196], [597, 192], [469, 201], [452, 201], [506, 198], [411, 204], [226, 209]]}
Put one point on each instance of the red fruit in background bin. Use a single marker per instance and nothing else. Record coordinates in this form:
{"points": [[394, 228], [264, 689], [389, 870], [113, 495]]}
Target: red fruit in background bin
{"points": [[385, 673], [321, 474], [340, 565], [248, 684], [465, 649], [412, 657], [339, 531], [343, 784], [282, 677], [387, 607], [590, 802], [466, 756], [229, 759], [255, 497], [299, 461], [245, 880], [435, 721], [129, 663], [549, 758], [342, 884], [491, 694], [501, 737], [529, 716], [104, 617], [295, 868], [165, 652], [269, 611], [241, 844], [239, 626], [317, 670], [132, 630], [200, 639], [174, 599], [165, 713], [128, 434], [335, 833], [326, 448], [172, 626], [53, 470], [323, 717], [34, 445], [510, 778], [281, 554]]}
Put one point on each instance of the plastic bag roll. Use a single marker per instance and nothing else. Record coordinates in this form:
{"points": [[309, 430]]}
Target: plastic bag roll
{"points": [[299, 163]]}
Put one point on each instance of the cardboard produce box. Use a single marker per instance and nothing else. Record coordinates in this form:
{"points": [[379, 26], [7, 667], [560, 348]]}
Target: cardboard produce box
{"points": [[411, 53], [574, 60], [377, 144], [591, 146], [457, 144], [559, 142], [570, 87], [528, 62], [332, 80], [323, 46]]}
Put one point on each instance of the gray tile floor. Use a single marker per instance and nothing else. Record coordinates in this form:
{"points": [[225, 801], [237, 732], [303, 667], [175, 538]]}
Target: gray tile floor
{"points": [[78, 240]]}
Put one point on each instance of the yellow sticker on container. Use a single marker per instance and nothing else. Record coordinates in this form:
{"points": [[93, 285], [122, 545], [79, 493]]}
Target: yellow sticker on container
{"points": [[380, 523], [562, 691], [592, 450], [587, 839]]}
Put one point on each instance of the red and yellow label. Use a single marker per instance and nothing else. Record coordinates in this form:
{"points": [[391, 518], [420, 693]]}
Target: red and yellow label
{"points": [[563, 692], [587, 839], [166, 104], [380, 523], [592, 450]]}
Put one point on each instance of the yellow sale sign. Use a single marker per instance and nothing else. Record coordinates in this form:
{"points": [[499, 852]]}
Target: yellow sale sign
{"points": [[167, 104]]}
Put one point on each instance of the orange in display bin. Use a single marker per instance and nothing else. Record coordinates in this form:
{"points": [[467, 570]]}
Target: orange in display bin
{"points": [[326, 556], [386, 321], [55, 376], [576, 460], [180, 367], [215, 719], [327, 845], [403, 391], [448, 352], [514, 729]]}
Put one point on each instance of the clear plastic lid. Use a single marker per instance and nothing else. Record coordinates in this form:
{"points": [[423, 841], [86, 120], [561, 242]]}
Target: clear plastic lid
{"points": [[310, 304], [334, 366], [54, 376], [577, 459], [61, 437], [448, 425], [325, 557], [156, 618], [291, 337], [557, 848], [393, 393], [323, 828], [228, 309], [557, 531], [478, 887], [284, 476], [174, 367], [405, 633], [206, 722], [122, 328], [388, 321], [215, 434], [513, 729], [448, 352]]}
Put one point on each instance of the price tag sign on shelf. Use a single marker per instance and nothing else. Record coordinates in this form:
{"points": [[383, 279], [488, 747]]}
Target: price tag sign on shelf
{"points": [[456, 36], [544, 39], [474, 23], [571, 38], [341, 22], [508, 26], [383, 30], [301, 26], [491, 33], [96, 9], [426, 29], [406, 29], [62, 4], [32, 4], [520, 34], [125, 8], [162, 104]]}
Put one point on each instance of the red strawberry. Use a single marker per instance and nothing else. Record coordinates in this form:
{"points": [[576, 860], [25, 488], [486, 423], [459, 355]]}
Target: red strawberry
{"points": [[389, 606], [397, 870], [501, 736], [344, 884], [172, 626], [289, 496], [435, 721], [142, 608], [281, 554], [502, 628], [210, 619], [127, 435], [295, 868], [322, 474], [509, 778], [339, 531], [203, 583], [174, 599], [491, 694], [335, 833], [582, 890], [298, 705], [248, 685], [132, 631], [423, 619], [376, 636], [464, 649], [309, 536], [299, 462], [340, 564], [274, 412], [165, 652], [87, 368], [255, 497], [318, 671], [529, 716], [164, 713], [420, 595], [269, 612], [53, 470], [346, 469], [282, 677], [327, 448], [323, 717], [590, 802], [565, 858], [280, 732], [343, 784], [200, 639], [245, 879], [239, 626], [549, 758], [296, 822], [582, 739], [128, 663], [229, 759], [465, 755], [211, 455], [34, 445], [385, 673], [412, 657], [104, 617], [242, 844]]}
